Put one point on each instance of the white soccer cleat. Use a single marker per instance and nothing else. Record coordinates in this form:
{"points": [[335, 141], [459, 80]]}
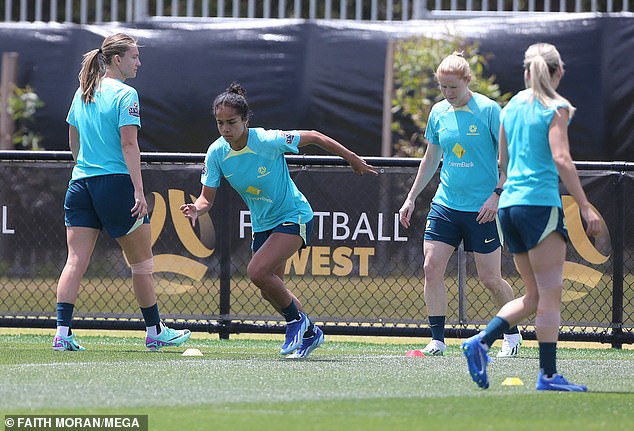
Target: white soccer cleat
{"points": [[510, 346], [435, 348]]}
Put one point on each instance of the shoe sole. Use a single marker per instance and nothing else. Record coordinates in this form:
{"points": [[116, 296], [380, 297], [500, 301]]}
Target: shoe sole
{"points": [[433, 353], [63, 349], [479, 378], [508, 356], [309, 350], [570, 387], [172, 343]]}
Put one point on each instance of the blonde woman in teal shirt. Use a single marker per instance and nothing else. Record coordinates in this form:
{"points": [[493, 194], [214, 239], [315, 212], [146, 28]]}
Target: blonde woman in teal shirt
{"points": [[462, 131], [534, 153], [106, 188]]}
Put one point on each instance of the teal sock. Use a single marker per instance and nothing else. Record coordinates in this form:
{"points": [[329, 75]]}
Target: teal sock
{"points": [[494, 330], [65, 314], [437, 326], [548, 358], [291, 312]]}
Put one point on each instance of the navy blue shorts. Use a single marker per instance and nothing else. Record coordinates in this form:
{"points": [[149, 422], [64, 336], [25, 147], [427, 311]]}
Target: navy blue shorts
{"points": [[102, 202], [453, 226], [525, 226], [303, 230]]}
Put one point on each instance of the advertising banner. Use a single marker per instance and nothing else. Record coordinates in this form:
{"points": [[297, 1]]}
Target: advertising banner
{"points": [[361, 265]]}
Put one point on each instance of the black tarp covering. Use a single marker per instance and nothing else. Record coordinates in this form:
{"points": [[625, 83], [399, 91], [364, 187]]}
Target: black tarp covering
{"points": [[324, 75]]}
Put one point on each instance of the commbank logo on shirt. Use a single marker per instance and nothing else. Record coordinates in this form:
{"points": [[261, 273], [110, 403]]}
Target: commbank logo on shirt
{"points": [[253, 191], [459, 151]]}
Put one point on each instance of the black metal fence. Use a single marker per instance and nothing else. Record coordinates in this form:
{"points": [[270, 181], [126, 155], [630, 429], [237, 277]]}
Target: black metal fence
{"points": [[362, 274]]}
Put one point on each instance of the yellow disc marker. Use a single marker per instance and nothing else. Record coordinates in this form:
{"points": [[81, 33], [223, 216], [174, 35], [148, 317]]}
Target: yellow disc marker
{"points": [[512, 381]]}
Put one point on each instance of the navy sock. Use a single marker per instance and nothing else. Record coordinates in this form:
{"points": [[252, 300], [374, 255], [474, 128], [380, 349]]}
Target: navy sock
{"points": [[291, 312], [151, 316], [494, 330], [548, 358], [437, 326], [65, 314]]}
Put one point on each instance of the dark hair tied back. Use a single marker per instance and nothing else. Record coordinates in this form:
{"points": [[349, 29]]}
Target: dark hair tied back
{"points": [[234, 97], [236, 88]]}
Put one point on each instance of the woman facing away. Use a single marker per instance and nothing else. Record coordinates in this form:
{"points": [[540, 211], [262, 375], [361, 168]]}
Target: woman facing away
{"points": [[252, 161], [534, 153], [106, 188]]}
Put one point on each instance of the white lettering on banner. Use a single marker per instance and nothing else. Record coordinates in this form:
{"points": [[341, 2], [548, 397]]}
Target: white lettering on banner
{"points": [[363, 227], [5, 218], [319, 215], [379, 235], [336, 216], [341, 226], [243, 223]]}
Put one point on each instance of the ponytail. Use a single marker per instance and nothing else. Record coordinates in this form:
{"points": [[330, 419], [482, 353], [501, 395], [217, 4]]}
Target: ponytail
{"points": [[91, 74], [541, 61]]}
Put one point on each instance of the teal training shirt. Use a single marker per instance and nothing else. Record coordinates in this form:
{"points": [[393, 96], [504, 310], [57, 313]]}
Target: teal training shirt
{"points": [[468, 136], [532, 177], [260, 175], [116, 105]]}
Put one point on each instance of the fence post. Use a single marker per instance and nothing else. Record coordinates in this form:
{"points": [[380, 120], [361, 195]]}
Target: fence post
{"points": [[225, 228], [7, 83], [617, 268]]}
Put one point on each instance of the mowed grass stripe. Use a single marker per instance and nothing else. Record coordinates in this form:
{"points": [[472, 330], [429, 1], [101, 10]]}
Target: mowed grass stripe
{"points": [[246, 385]]}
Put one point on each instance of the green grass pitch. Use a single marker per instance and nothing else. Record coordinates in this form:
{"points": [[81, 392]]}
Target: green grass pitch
{"points": [[243, 384]]}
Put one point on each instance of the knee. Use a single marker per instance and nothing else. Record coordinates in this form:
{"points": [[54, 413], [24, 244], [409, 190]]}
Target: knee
{"points": [[549, 317], [77, 264], [492, 283], [145, 267], [256, 273], [530, 301], [433, 270]]}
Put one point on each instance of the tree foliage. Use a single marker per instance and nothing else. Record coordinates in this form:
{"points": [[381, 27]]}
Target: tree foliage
{"points": [[416, 89], [22, 107]]}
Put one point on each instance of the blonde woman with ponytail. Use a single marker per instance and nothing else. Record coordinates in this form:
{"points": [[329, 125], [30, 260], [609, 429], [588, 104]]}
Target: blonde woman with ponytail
{"points": [[535, 154], [106, 188]]}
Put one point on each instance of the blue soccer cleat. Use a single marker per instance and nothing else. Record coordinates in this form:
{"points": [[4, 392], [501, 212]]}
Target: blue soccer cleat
{"points": [[308, 345], [166, 338], [557, 383], [477, 360], [61, 343], [294, 333]]}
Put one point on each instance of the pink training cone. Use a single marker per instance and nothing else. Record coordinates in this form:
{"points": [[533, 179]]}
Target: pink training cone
{"points": [[416, 352]]}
